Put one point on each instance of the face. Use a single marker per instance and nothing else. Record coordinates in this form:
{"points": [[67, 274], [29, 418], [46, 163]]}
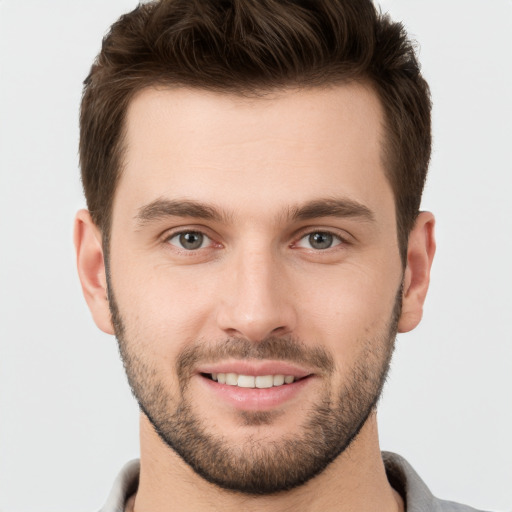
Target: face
{"points": [[255, 276]]}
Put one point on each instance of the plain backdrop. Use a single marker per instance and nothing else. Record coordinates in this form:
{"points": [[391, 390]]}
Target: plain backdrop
{"points": [[67, 419]]}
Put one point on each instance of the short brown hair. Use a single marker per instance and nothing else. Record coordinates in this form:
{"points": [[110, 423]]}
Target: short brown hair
{"points": [[250, 46]]}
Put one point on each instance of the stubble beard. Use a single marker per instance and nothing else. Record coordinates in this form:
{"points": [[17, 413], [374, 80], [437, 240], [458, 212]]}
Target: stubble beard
{"points": [[256, 467]]}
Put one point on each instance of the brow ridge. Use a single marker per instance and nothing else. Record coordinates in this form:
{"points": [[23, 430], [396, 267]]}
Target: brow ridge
{"points": [[161, 208], [327, 207], [332, 207]]}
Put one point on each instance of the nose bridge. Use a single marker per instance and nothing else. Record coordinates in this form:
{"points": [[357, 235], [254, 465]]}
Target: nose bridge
{"points": [[255, 305]]}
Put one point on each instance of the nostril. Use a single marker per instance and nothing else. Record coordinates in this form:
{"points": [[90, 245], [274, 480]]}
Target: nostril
{"points": [[279, 331]]}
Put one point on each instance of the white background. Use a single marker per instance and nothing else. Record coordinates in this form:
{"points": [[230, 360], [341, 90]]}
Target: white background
{"points": [[67, 419]]}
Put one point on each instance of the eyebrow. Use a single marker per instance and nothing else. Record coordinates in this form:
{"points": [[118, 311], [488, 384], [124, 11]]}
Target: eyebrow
{"points": [[163, 208], [328, 207], [332, 207]]}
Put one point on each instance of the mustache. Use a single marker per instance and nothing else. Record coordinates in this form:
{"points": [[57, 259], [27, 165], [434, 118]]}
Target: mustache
{"points": [[273, 348]]}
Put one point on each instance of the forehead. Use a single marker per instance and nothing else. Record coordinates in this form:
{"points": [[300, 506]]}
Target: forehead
{"points": [[280, 148]]}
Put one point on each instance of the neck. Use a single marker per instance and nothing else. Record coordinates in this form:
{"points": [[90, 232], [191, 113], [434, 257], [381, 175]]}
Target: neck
{"points": [[356, 480]]}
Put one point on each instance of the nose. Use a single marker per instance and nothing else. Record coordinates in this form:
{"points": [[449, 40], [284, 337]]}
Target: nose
{"points": [[256, 300]]}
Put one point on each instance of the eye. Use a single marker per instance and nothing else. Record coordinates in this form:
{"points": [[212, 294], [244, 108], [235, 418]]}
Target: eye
{"points": [[319, 240], [189, 240]]}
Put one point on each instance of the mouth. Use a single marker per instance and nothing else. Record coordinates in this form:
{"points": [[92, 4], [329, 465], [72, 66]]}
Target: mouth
{"points": [[254, 386]]}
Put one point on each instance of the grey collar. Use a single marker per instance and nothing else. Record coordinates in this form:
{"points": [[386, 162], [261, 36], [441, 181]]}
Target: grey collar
{"points": [[417, 497]]}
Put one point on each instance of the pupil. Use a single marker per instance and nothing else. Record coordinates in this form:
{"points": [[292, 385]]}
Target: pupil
{"points": [[320, 240], [191, 240]]}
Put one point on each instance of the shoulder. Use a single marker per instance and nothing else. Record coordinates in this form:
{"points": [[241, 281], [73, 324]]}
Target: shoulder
{"points": [[124, 486], [451, 506], [414, 491]]}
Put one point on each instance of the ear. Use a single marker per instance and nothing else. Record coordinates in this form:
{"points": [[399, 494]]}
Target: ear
{"points": [[91, 269], [420, 253]]}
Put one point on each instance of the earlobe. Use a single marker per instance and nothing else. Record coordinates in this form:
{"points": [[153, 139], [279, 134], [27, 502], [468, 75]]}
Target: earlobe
{"points": [[91, 269], [420, 253]]}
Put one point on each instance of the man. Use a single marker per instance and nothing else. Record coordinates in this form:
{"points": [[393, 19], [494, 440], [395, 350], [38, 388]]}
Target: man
{"points": [[253, 172]]}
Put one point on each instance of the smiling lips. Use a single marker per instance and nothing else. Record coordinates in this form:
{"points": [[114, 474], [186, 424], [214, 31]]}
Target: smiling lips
{"points": [[253, 386]]}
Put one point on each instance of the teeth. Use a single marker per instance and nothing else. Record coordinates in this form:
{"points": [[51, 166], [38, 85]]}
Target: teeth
{"points": [[249, 381], [246, 381], [264, 381], [278, 380], [231, 379]]}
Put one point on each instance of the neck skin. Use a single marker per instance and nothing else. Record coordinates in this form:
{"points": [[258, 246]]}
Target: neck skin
{"points": [[356, 480]]}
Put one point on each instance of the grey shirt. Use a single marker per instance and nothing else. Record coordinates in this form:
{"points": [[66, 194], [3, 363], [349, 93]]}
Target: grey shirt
{"points": [[401, 475]]}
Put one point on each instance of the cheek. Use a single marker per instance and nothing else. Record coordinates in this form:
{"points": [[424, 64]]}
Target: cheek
{"points": [[161, 306], [350, 306]]}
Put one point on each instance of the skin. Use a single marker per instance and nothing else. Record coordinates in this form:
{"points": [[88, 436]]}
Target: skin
{"points": [[256, 160]]}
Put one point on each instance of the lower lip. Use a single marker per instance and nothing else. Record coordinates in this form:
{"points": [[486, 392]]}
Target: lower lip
{"points": [[255, 399]]}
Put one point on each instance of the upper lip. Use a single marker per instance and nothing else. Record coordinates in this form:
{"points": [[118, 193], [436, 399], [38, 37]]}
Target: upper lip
{"points": [[255, 368]]}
